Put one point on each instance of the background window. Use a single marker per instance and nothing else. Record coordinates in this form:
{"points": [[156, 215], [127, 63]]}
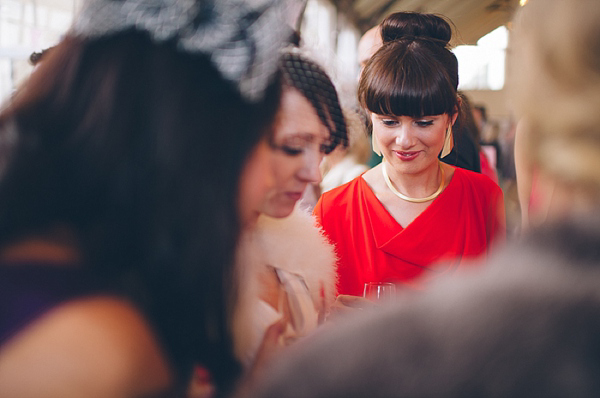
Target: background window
{"points": [[482, 67]]}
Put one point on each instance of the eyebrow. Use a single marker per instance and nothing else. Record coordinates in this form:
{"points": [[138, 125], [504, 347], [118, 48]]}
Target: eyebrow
{"points": [[412, 117], [307, 135]]}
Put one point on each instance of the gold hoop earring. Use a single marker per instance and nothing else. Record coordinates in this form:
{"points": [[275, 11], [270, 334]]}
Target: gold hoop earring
{"points": [[448, 142]]}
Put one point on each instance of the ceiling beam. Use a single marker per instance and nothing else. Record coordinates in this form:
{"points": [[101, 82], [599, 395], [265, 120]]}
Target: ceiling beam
{"points": [[472, 18]]}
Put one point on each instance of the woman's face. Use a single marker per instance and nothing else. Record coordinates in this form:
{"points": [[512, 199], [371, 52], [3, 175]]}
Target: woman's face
{"points": [[256, 180], [411, 145], [297, 152]]}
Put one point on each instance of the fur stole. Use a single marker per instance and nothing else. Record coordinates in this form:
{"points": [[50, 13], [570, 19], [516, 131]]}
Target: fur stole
{"points": [[295, 244]]}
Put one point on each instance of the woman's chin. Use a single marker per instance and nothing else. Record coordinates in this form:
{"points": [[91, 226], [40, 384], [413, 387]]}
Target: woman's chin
{"points": [[279, 209]]}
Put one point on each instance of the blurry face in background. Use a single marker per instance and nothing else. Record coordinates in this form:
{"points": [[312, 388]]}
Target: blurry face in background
{"points": [[478, 116], [297, 152], [368, 44]]}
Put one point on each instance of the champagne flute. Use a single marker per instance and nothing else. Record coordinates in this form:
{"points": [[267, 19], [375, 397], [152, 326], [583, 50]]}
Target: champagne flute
{"points": [[379, 291]]}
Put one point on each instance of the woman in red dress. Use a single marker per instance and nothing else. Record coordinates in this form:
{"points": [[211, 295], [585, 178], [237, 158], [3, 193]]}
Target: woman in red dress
{"points": [[400, 220]]}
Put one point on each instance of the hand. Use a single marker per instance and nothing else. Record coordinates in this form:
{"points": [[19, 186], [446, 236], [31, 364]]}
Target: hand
{"points": [[346, 304], [272, 344], [270, 347]]}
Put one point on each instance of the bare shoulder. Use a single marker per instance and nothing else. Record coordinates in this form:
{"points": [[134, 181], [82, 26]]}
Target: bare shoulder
{"points": [[96, 347]]}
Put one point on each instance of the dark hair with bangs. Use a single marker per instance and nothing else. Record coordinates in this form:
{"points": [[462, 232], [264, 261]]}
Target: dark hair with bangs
{"points": [[413, 73]]}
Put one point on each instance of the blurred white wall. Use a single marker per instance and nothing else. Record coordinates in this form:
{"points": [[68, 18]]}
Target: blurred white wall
{"points": [[27, 26], [331, 40]]}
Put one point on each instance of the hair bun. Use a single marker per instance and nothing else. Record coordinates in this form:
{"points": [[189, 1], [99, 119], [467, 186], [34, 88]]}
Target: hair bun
{"points": [[416, 25]]}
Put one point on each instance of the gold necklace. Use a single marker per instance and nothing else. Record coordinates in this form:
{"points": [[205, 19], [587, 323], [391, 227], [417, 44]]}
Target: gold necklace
{"points": [[408, 198]]}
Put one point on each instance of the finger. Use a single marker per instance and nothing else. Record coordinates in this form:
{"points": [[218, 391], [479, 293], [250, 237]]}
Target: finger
{"points": [[353, 301], [276, 329]]}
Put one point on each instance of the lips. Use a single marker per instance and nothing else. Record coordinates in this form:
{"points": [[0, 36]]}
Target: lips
{"points": [[295, 196], [407, 155]]}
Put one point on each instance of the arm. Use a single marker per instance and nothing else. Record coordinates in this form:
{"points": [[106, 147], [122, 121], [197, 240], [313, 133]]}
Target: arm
{"points": [[98, 347]]}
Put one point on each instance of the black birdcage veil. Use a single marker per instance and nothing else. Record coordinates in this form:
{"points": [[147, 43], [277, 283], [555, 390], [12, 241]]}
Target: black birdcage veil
{"points": [[314, 84], [242, 38]]}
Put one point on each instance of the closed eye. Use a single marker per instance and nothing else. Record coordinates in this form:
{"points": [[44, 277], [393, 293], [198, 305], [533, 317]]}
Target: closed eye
{"points": [[424, 123], [291, 151], [291, 146], [389, 122], [297, 145]]}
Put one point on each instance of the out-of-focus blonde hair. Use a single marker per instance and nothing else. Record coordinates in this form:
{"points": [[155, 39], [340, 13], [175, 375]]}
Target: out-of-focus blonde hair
{"points": [[554, 80]]}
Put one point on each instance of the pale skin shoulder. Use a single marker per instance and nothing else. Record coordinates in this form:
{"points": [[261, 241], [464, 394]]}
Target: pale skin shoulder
{"points": [[96, 347]]}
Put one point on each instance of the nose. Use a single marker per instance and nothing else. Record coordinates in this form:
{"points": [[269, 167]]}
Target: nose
{"points": [[310, 171], [405, 137]]}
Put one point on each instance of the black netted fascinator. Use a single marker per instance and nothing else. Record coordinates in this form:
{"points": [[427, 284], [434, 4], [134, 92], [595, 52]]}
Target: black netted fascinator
{"points": [[314, 84], [241, 37]]}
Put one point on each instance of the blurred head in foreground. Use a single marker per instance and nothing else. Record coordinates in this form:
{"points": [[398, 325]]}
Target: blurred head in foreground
{"points": [[555, 85], [126, 146]]}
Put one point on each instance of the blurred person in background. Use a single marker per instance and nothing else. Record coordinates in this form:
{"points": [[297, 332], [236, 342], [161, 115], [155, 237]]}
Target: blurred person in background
{"points": [[480, 116], [117, 231], [469, 126], [489, 136], [527, 324], [36, 57], [368, 44], [345, 164], [397, 220]]}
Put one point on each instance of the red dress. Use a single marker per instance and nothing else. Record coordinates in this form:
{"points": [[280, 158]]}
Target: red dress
{"points": [[457, 226]]}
